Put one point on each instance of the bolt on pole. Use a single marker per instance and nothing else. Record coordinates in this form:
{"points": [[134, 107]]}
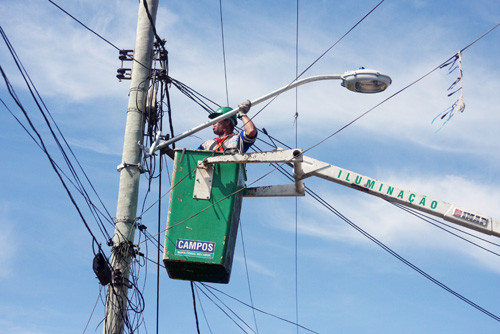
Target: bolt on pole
{"points": [[125, 223]]}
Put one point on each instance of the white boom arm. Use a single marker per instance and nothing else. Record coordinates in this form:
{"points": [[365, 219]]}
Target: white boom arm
{"points": [[305, 167]]}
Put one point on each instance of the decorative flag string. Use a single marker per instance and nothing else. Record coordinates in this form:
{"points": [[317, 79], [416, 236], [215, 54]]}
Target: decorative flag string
{"points": [[459, 105]]}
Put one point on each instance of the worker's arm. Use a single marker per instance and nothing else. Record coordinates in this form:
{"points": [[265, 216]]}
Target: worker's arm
{"points": [[248, 125]]}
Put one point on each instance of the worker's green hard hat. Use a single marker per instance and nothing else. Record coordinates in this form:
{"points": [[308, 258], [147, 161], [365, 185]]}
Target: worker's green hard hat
{"points": [[222, 111]]}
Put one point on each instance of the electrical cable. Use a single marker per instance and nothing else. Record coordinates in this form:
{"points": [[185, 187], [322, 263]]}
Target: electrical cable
{"points": [[153, 25], [223, 51], [399, 257], [248, 276], [45, 111], [258, 310], [443, 64], [322, 55], [220, 308], [33, 128], [159, 246], [194, 307], [296, 122], [93, 309], [228, 308], [389, 250], [82, 24], [203, 310], [39, 102], [427, 219], [194, 95], [92, 31]]}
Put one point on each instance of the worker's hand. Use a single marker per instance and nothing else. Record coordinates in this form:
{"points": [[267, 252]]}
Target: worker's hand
{"points": [[244, 108]]}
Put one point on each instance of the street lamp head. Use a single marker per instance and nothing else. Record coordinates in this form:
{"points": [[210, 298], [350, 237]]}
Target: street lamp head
{"points": [[366, 81]]}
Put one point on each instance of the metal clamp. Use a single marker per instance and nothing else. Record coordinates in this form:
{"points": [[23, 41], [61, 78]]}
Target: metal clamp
{"points": [[123, 165]]}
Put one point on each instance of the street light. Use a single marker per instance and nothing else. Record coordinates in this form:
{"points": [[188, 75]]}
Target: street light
{"points": [[360, 81], [365, 81]]}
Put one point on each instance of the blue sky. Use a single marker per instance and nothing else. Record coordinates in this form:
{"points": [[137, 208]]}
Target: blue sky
{"points": [[346, 284]]}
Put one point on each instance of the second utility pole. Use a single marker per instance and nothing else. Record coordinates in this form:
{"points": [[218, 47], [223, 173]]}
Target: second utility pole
{"points": [[130, 171]]}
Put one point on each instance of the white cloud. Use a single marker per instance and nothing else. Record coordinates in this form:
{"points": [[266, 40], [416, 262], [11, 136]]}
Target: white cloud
{"points": [[255, 267], [9, 242]]}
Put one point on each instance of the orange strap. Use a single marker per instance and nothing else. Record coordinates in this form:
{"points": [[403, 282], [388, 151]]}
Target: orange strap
{"points": [[220, 141]]}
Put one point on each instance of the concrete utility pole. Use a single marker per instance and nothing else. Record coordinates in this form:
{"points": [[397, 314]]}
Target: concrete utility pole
{"points": [[130, 171]]}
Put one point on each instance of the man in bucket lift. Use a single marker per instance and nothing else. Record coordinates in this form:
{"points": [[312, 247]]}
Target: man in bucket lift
{"points": [[228, 141]]}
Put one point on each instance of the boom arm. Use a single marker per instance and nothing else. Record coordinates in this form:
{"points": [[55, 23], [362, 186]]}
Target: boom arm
{"points": [[447, 211], [305, 167]]}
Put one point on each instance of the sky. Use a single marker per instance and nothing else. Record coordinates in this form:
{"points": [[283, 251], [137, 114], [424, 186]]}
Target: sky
{"points": [[345, 283]]}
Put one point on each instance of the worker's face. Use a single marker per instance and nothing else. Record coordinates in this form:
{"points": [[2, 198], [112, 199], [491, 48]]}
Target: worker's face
{"points": [[222, 127]]}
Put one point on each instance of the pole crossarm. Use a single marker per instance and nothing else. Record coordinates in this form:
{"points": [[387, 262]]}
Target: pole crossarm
{"points": [[305, 167]]}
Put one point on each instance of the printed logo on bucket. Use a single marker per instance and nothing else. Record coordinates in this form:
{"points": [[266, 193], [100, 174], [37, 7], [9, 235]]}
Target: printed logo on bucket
{"points": [[204, 249]]}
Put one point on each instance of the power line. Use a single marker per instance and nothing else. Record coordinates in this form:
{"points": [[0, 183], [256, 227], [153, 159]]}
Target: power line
{"points": [[296, 122], [430, 220], [400, 258], [223, 50], [83, 24], [328, 206], [223, 310], [39, 102], [323, 54], [256, 309], [94, 32], [248, 276], [443, 64], [203, 310], [50, 123], [194, 307]]}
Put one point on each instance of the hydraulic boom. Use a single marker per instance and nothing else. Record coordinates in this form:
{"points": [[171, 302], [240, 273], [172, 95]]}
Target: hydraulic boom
{"points": [[305, 167]]}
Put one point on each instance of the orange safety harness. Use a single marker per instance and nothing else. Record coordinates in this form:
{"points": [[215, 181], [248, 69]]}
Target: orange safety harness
{"points": [[220, 141]]}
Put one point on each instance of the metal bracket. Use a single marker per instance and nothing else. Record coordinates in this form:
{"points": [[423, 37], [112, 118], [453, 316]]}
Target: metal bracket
{"points": [[123, 165], [274, 191], [205, 170], [203, 181]]}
